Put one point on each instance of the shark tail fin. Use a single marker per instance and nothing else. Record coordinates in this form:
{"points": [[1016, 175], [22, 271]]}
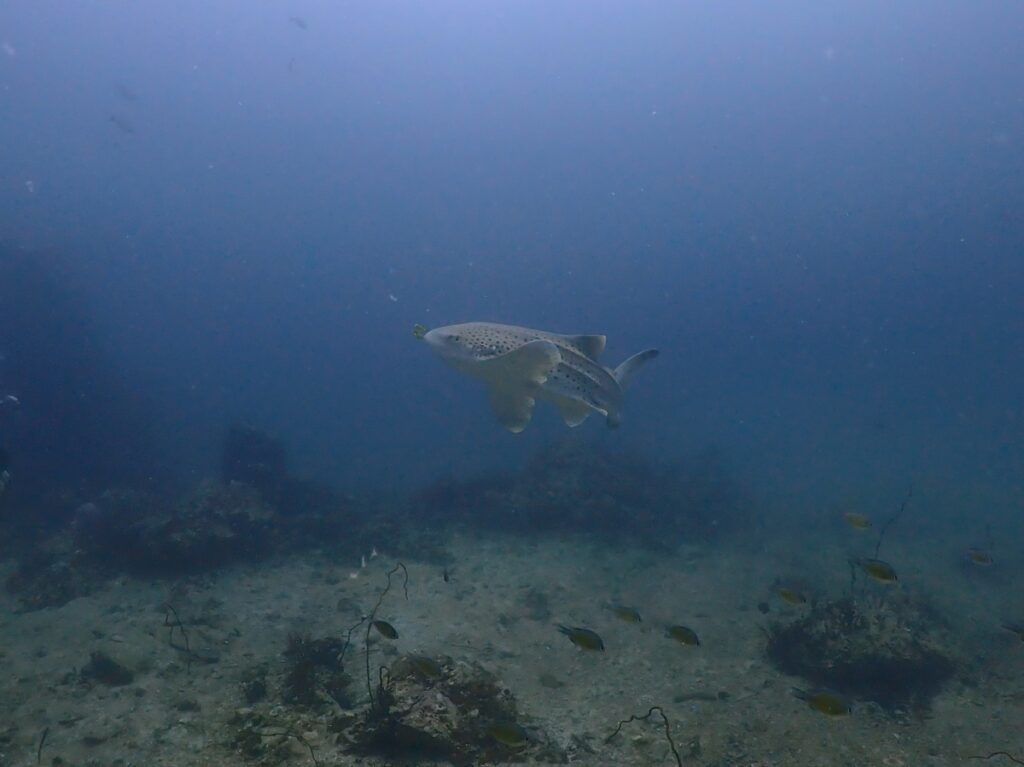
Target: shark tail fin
{"points": [[624, 373]]}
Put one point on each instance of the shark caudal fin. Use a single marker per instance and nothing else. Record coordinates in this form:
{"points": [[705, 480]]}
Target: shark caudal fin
{"points": [[624, 373]]}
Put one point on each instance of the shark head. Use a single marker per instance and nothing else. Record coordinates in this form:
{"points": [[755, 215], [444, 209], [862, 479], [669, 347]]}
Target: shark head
{"points": [[462, 346], [448, 344]]}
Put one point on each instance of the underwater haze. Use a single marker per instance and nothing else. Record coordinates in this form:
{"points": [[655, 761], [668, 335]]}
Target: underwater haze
{"points": [[812, 210], [249, 515]]}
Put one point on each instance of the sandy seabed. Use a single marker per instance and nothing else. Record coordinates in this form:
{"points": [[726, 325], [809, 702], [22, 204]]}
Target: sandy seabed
{"points": [[725, 703]]}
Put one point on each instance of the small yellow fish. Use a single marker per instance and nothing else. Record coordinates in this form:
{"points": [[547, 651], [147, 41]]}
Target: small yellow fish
{"points": [[857, 521], [790, 596], [418, 331], [627, 614], [825, 702], [979, 557], [509, 734], [386, 629], [881, 571], [583, 638], [684, 635]]}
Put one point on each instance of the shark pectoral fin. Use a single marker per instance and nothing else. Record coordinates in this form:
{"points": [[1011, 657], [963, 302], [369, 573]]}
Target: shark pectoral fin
{"points": [[574, 412], [513, 408], [624, 373], [588, 346], [515, 377], [527, 366]]}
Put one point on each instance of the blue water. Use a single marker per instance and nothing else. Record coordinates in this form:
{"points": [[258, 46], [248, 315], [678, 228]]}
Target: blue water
{"points": [[813, 210]]}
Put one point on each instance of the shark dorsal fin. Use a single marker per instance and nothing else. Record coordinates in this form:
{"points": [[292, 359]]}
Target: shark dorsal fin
{"points": [[588, 346]]}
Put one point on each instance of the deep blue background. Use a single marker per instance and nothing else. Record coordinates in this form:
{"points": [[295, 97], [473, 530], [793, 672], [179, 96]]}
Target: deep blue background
{"points": [[816, 210]]}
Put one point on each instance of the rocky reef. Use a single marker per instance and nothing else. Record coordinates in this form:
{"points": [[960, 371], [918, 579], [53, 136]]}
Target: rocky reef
{"points": [[580, 488], [887, 649], [415, 709], [258, 510], [214, 524], [411, 708], [256, 459], [445, 710]]}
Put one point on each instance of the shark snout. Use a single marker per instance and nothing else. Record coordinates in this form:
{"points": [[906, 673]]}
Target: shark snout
{"points": [[435, 339], [442, 343], [448, 344]]}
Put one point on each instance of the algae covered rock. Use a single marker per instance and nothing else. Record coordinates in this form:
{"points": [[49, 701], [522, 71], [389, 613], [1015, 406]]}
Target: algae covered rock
{"points": [[434, 708], [315, 671], [216, 524], [572, 487], [890, 650], [51, 576]]}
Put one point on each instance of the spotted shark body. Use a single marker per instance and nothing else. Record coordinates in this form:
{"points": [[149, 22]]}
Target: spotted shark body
{"points": [[521, 365]]}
